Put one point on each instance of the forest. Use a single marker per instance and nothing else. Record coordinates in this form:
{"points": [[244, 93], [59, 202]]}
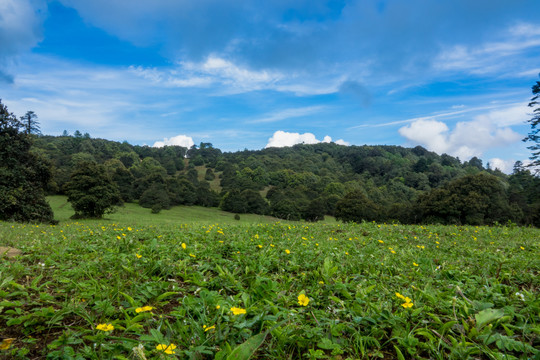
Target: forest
{"points": [[353, 183], [302, 182]]}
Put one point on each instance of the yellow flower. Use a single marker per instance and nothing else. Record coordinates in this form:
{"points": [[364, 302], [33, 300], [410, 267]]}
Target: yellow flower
{"points": [[415, 264], [129, 229], [321, 282], [259, 246], [184, 246], [522, 248], [105, 327], [138, 256], [382, 242], [238, 311], [218, 307], [303, 300], [143, 309], [407, 305], [6, 343], [118, 237], [167, 349], [206, 328], [192, 255], [400, 296], [287, 251]]}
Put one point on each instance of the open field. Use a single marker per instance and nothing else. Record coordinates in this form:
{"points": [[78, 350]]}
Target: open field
{"points": [[132, 213], [151, 286]]}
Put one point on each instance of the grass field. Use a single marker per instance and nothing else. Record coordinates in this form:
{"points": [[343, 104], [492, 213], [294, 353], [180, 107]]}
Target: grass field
{"points": [[193, 283]]}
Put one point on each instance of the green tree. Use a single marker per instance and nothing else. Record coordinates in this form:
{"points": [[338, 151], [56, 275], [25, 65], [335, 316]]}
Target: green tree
{"points": [[91, 192], [355, 206], [30, 123], [155, 197], [473, 199], [534, 134], [23, 174]]}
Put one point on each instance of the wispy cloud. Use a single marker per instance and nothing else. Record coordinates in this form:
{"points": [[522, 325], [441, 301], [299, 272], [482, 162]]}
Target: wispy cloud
{"points": [[492, 57], [288, 114]]}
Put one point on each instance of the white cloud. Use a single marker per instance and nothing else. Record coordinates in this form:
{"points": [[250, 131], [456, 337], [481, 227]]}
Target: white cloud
{"points": [[494, 56], [506, 166], [20, 30], [467, 139], [179, 140], [515, 114], [283, 139]]}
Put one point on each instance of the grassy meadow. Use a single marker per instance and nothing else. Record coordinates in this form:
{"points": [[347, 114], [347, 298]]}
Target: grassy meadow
{"points": [[193, 283]]}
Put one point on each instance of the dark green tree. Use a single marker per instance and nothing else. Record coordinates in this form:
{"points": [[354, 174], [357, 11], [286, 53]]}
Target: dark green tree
{"points": [[23, 174], [356, 207], [30, 123], [91, 192], [534, 134], [155, 197], [473, 199]]}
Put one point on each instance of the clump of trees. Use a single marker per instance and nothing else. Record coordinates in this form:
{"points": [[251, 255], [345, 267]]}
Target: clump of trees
{"points": [[24, 174], [91, 191]]}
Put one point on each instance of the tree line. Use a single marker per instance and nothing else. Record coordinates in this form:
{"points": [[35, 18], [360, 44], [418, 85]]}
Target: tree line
{"points": [[309, 182]]}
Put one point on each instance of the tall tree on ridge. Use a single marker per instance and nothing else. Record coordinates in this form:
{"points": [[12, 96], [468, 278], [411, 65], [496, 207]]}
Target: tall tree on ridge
{"points": [[534, 134], [30, 123]]}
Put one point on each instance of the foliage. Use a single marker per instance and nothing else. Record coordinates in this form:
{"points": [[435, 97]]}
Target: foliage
{"points": [[299, 182], [23, 174], [91, 191], [105, 290], [534, 134], [473, 199], [355, 206]]}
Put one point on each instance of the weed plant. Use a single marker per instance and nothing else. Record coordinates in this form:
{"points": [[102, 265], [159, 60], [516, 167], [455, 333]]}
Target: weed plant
{"points": [[102, 290]]}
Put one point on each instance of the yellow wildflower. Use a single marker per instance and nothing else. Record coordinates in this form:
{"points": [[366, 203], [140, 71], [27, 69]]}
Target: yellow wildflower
{"points": [[303, 300], [6, 343], [415, 264], [138, 256], [407, 305], [207, 328], [105, 327], [184, 246], [238, 311], [167, 349], [287, 251], [143, 309]]}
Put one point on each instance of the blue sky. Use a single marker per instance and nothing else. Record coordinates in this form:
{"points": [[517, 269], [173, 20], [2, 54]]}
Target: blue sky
{"points": [[454, 76]]}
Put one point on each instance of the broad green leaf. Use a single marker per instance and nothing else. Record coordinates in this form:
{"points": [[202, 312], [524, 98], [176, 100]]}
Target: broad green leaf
{"points": [[487, 316], [245, 350]]}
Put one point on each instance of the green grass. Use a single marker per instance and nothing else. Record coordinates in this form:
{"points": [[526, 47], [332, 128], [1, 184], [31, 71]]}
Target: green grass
{"points": [[132, 213], [376, 291]]}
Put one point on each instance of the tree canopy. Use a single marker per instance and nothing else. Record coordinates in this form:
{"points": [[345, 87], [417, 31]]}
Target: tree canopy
{"points": [[23, 174]]}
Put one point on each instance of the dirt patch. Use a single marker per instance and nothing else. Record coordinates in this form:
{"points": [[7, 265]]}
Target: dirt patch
{"points": [[9, 251]]}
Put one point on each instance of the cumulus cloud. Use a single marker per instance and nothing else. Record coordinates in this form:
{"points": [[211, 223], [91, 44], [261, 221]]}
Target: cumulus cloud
{"points": [[506, 166], [284, 139], [179, 140], [467, 139]]}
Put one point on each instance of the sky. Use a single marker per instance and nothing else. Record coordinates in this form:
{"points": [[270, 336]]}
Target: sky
{"points": [[453, 76]]}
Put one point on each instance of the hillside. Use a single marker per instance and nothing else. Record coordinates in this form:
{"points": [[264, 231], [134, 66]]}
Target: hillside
{"points": [[382, 183]]}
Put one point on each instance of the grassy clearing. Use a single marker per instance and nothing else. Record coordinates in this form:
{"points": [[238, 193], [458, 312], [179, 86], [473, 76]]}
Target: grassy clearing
{"points": [[134, 214], [129, 288]]}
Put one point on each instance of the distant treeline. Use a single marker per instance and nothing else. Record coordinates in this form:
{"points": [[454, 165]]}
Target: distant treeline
{"points": [[353, 183]]}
